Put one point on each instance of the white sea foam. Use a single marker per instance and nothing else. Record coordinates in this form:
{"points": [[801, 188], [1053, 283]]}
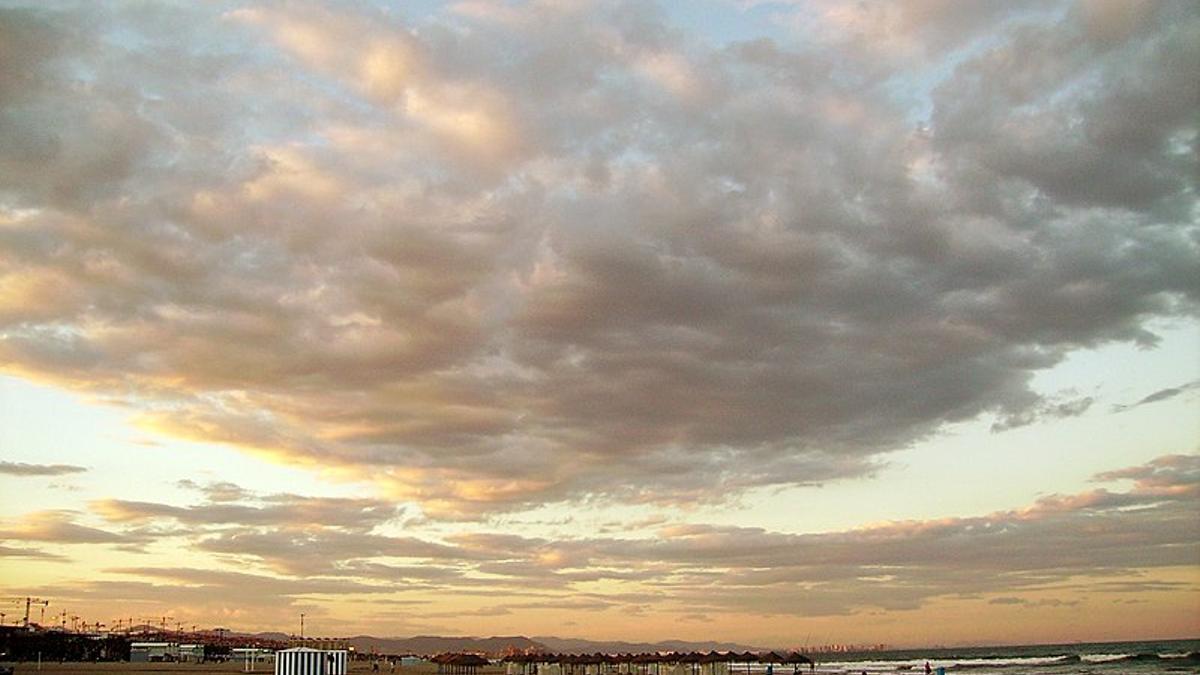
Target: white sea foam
{"points": [[918, 665], [1102, 658]]}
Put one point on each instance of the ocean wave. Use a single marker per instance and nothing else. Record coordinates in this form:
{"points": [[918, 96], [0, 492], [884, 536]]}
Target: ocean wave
{"points": [[1147, 657], [1176, 658], [1179, 659], [1006, 662], [1137, 658], [1000, 662], [1104, 658], [917, 666]]}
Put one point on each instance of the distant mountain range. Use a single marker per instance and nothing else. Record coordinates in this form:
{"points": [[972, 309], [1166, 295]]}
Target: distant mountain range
{"points": [[434, 644], [579, 646], [427, 645]]}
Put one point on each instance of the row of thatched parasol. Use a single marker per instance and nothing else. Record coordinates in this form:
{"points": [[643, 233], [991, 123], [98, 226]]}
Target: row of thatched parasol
{"points": [[458, 664], [793, 658]]}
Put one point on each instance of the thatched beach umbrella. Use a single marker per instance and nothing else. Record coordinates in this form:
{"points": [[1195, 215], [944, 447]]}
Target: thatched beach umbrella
{"points": [[518, 659], [711, 659], [692, 659], [796, 658], [469, 663], [770, 658], [665, 658], [459, 664]]}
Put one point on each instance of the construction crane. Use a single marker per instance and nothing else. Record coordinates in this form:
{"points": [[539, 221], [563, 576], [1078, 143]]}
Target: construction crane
{"points": [[29, 602], [150, 621]]}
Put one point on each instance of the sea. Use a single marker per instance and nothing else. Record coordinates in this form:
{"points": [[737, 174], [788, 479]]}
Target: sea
{"points": [[1100, 658]]}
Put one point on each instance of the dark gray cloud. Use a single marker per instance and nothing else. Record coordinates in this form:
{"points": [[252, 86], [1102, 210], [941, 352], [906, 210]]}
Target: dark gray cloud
{"points": [[279, 511], [319, 552], [139, 592], [1048, 409], [267, 586], [288, 533], [1116, 540], [1160, 395], [60, 527], [25, 469], [222, 491], [548, 252], [23, 552], [1100, 534], [1170, 473], [1029, 604]]}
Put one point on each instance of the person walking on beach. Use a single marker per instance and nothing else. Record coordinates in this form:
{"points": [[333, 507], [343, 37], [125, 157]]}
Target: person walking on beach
{"points": [[928, 670]]}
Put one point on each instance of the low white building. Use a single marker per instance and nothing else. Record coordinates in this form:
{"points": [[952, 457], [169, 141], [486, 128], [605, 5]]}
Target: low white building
{"points": [[141, 652], [306, 661], [190, 653], [250, 657]]}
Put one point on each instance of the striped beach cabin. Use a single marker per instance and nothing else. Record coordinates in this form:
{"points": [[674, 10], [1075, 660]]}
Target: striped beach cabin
{"points": [[306, 661]]}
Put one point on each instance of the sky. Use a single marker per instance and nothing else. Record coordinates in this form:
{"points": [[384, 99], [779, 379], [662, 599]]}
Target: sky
{"points": [[780, 322]]}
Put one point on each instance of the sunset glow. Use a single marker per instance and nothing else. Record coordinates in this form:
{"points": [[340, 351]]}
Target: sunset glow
{"points": [[784, 322]]}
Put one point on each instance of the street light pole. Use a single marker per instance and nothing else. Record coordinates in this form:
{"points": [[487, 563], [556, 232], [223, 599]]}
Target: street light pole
{"points": [[301, 625]]}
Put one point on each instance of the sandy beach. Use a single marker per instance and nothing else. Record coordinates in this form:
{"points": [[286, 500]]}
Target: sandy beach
{"points": [[227, 667]]}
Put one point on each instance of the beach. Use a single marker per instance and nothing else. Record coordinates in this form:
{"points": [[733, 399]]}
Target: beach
{"points": [[113, 668], [1151, 657]]}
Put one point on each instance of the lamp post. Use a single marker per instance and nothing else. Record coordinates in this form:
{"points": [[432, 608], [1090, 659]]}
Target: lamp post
{"points": [[301, 626]]}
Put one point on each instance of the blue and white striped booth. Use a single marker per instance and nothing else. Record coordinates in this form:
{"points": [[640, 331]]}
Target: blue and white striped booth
{"points": [[305, 661]]}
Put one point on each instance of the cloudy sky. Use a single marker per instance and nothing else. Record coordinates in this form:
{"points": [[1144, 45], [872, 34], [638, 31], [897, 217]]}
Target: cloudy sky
{"points": [[784, 322]]}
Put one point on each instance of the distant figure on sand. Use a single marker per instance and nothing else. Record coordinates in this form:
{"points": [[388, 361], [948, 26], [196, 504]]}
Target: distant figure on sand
{"points": [[928, 670]]}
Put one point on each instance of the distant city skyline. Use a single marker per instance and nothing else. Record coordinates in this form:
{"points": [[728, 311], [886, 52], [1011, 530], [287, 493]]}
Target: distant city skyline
{"points": [[768, 321]]}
